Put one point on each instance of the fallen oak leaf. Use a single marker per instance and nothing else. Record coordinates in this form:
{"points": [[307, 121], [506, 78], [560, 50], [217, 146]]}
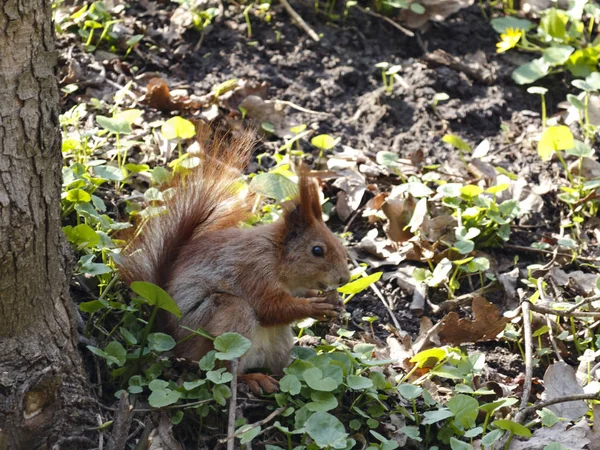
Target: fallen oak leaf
{"points": [[485, 326], [158, 96]]}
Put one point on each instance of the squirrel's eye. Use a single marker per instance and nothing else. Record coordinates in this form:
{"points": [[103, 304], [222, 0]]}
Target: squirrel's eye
{"points": [[318, 251]]}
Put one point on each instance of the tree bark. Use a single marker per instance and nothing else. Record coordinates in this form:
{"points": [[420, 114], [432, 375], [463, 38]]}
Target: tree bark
{"points": [[44, 391]]}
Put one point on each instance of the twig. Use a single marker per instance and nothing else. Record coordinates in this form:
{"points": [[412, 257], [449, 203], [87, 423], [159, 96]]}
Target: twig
{"points": [[396, 25], [385, 303], [548, 252], [449, 305], [232, 404], [300, 21], [569, 398], [121, 424], [254, 425], [563, 313], [525, 307], [552, 340], [520, 417], [301, 109], [585, 301]]}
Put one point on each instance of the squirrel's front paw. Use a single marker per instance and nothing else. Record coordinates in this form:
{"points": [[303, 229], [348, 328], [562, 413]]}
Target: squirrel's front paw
{"points": [[320, 308]]}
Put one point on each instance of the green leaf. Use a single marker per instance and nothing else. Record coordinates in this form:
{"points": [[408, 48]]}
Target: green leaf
{"points": [[156, 296], [554, 24], [160, 175], [92, 306], [455, 444], [291, 384], [231, 346], [82, 235], [78, 195], [513, 427], [549, 419], [554, 139], [358, 383], [465, 410], [161, 394], [191, 385], [315, 380], [247, 436], [491, 437], [557, 54], [114, 125], [410, 391], [161, 342], [431, 417], [457, 142], [530, 72], [501, 24], [576, 102], [322, 401], [324, 141], [471, 190], [129, 115], [555, 446], [128, 336], [178, 128], [221, 393], [356, 286], [426, 356], [116, 350], [273, 185], [580, 149], [207, 362], [219, 376], [326, 430], [109, 173]]}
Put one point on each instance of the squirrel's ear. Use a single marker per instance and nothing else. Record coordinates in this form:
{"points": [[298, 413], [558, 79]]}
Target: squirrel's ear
{"points": [[310, 203], [306, 209]]}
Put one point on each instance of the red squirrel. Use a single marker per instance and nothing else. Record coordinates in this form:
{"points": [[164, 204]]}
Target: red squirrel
{"points": [[254, 281]]}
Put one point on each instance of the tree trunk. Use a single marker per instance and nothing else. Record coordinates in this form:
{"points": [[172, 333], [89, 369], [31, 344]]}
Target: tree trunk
{"points": [[44, 391]]}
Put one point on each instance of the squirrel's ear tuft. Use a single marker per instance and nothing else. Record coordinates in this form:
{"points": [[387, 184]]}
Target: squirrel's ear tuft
{"points": [[306, 208], [309, 201]]}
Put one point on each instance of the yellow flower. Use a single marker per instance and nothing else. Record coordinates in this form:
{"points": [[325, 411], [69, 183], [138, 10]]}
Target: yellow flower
{"points": [[509, 40]]}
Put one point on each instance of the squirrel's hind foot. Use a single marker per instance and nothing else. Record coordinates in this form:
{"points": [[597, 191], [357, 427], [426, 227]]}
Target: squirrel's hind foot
{"points": [[259, 381]]}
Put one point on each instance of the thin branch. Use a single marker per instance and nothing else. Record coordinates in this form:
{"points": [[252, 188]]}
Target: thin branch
{"points": [[301, 109], [552, 339], [569, 398], [449, 305], [260, 423], [396, 25], [232, 404], [563, 313], [519, 418], [300, 21]]}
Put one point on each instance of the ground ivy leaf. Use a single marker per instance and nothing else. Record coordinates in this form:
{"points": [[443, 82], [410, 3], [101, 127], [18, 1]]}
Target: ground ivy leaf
{"points": [[231, 346], [290, 384], [326, 430], [161, 342], [465, 410], [156, 296]]}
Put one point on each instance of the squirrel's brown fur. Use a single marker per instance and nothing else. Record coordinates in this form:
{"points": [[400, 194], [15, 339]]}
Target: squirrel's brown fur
{"points": [[253, 281]]}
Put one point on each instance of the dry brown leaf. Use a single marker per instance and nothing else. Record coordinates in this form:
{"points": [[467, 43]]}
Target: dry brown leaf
{"points": [[399, 212], [487, 323], [574, 438], [159, 97], [560, 380]]}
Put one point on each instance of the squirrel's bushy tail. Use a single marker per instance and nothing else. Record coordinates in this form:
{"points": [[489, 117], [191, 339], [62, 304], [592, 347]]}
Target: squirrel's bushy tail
{"points": [[205, 199]]}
